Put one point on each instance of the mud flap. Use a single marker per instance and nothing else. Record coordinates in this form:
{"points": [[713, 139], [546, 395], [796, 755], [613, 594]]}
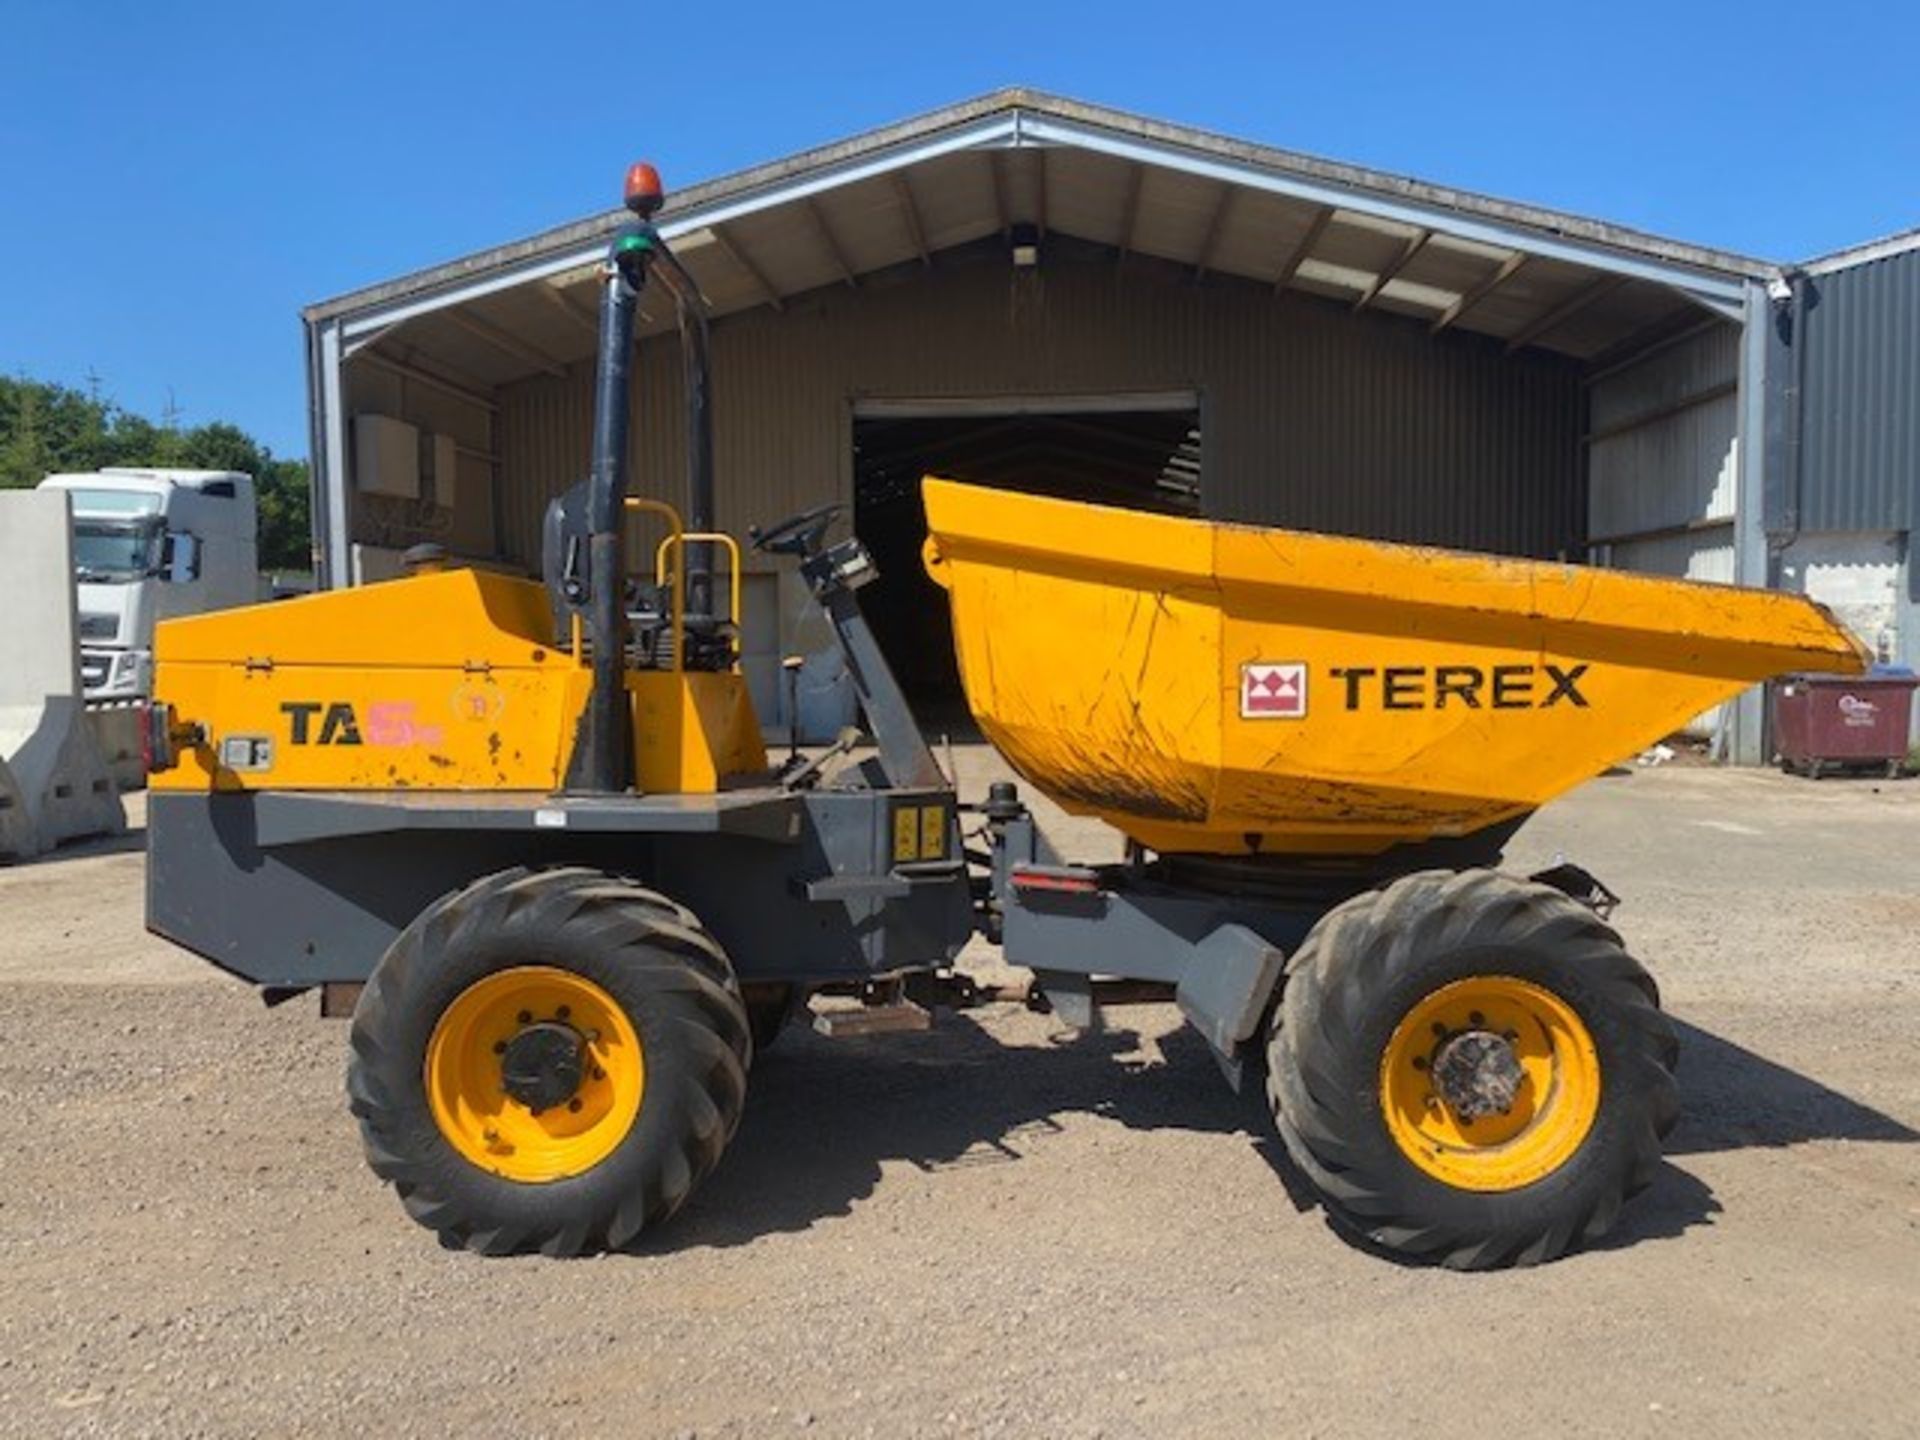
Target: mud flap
{"points": [[1224, 972], [1229, 980], [1580, 884]]}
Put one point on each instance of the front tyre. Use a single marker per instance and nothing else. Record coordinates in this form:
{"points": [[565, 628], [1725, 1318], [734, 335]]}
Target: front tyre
{"points": [[548, 1060], [1471, 1069]]}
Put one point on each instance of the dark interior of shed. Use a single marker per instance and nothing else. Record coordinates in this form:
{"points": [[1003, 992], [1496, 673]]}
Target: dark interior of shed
{"points": [[1141, 459]]}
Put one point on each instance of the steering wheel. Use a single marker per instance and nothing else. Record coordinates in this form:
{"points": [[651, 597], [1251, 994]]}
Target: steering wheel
{"points": [[798, 534]]}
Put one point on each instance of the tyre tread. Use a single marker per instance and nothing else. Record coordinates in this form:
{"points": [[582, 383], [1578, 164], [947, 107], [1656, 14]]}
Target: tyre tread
{"points": [[1339, 975], [661, 941]]}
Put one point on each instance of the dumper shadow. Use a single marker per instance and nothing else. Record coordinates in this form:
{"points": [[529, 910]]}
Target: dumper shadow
{"points": [[1737, 1100], [123, 843], [823, 1118], [1733, 1099]]}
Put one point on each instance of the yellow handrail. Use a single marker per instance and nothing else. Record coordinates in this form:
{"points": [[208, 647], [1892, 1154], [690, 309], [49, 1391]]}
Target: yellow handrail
{"points": [[677, 535], [719, 537], [676, 629]]}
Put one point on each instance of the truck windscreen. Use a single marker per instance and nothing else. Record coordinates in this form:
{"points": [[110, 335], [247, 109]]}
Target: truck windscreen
{"points": [[114, 552]]}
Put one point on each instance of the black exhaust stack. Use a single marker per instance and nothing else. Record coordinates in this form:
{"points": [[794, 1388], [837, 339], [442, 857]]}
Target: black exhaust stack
{"points": [[593, 584], [602, 762]]}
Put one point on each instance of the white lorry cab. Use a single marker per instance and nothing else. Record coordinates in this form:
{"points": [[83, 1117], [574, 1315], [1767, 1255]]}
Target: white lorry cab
{"points": [[149, 545]]}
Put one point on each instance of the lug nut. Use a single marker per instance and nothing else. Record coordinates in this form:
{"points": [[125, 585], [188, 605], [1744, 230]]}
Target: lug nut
{"points": [[499, 1047], [573, 1105], [563, 1012], [1439, 1029], [526, 1017], [1419, 1062], [1476, 1019]]}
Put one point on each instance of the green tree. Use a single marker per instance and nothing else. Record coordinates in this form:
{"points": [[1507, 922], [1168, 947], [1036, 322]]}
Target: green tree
{"points": [[47, 428], [286, 511], [24, 453]]}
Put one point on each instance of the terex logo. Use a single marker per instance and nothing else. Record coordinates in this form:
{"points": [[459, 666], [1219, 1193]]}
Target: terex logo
{"points": [[1435, 687], [1277, 691], [337, 725]]}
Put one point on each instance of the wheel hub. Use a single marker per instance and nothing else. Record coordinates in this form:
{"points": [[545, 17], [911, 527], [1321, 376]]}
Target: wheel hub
{"points": [[543, 1065], [1477, 1073]]}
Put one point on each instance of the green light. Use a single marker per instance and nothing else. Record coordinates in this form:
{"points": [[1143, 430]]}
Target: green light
{"points": [[634, 242]]}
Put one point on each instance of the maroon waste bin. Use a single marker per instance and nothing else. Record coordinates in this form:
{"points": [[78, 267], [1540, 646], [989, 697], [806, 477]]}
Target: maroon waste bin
{"points": [[1823, 723]]}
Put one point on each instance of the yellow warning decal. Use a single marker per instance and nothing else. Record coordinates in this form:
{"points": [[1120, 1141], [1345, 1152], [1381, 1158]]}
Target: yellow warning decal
{"points": [[933, 832], [906, 834]]}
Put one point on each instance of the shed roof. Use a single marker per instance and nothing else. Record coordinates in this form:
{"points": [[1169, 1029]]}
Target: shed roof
{"points": [[1017, 158], [1885, 248]]}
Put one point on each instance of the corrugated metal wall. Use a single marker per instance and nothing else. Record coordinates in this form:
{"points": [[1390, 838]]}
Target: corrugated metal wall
{"points": [[1662, 459], [1663, 465], [1860, 405], [1312, 416]]}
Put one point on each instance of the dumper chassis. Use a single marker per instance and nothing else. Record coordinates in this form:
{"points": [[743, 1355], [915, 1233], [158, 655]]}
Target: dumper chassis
{"points": [[559, 986]]}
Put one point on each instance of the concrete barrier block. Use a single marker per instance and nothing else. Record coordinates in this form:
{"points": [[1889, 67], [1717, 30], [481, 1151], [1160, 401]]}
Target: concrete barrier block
{"points": [[116, 730], [18, 840], [47, 747], [59, 771]]}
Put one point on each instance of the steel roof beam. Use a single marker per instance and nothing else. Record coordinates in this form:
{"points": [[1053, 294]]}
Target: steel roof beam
{"points": [[825, 231], [1040, 181], [1551, 320], [506, 342], [412, 371], [585, 241], [986, 133], [1400, 262], [910, 211], [1301, 251], [563, 305], [1130, 213], [1644, 344], [1505, 271], [1216, 227], [1057, 130], [753, 272]]}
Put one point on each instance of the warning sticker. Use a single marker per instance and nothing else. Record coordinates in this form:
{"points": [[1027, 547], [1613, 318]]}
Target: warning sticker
{"points": [[1273, 692]]}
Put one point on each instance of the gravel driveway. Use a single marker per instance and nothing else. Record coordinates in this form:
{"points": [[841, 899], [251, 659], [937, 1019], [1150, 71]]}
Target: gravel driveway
{"points": [[990, 1230]]}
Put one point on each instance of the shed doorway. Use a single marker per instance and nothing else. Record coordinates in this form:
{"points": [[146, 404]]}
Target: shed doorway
{"points": [[1138, 451]]}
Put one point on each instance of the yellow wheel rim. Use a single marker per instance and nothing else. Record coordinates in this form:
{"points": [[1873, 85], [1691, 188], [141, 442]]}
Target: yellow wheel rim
{"points": [[1534, 1053], [465, 1080]]}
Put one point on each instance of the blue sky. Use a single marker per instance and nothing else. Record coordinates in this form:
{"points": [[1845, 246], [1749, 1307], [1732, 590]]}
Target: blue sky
{"points": [[176, 181]]}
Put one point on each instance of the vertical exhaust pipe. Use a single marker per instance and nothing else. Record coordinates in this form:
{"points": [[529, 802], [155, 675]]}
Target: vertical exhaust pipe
{"points": [[602, 762]]}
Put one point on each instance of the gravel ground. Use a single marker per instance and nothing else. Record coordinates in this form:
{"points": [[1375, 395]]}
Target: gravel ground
{"points": [[988, 1230]]}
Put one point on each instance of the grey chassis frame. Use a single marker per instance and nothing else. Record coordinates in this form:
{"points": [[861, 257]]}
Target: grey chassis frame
{"points": [[796, 879]]}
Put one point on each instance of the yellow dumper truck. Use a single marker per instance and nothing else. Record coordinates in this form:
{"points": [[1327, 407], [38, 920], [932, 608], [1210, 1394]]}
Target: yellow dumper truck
{"points": [[528, 833]]}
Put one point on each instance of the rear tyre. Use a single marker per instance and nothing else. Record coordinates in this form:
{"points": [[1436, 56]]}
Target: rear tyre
{"points": [[1471, 1069], [548, 1060]]}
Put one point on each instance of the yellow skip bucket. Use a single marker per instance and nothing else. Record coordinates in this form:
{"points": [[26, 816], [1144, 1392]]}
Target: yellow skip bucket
{"points": [[1222, 689]]}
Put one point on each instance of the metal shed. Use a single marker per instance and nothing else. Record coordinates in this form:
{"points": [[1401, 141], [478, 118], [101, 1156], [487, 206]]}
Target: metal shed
{"points": [[1029, 290], [1843, 466]]}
